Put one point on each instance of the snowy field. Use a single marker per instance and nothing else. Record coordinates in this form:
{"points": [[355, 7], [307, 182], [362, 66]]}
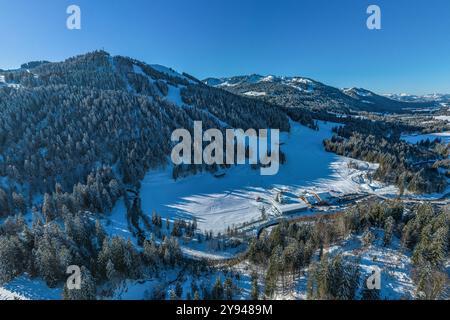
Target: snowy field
{"points": [[444, 136], [25, 288], [443, 118], [231, 200]]}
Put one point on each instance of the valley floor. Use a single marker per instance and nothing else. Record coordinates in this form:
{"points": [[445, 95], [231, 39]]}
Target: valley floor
{"points": [[218, 203]]}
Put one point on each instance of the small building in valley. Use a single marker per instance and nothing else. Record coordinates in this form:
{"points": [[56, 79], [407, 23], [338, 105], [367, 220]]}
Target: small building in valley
{"points": [[286, 203]]}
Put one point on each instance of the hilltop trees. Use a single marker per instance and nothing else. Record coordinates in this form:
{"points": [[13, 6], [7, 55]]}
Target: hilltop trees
{"points": [[241, 113], [255, 286]]}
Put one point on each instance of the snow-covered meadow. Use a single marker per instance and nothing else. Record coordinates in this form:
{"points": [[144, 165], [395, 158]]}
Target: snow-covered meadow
{"points": [[217, 203], [25, 288], [414, 138], [443, 118]]}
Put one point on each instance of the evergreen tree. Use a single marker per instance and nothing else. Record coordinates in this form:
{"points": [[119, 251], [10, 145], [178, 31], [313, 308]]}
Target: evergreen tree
{"points": [[217, 291], [173, 295], [389, 226], [255, 286], [196, 296], [178, 290], [87, 291], [228, 288]]}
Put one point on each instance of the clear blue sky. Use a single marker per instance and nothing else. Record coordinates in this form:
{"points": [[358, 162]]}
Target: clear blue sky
{"points": [[324, 40]]}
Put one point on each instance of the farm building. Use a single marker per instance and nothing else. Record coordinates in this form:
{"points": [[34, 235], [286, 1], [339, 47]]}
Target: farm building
{"points": [[294, 207], [286, 203], [325, 198], [319, 198]]}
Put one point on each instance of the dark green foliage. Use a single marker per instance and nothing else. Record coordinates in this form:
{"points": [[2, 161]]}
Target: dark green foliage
{"points": [[333, 279], [255, 286]]}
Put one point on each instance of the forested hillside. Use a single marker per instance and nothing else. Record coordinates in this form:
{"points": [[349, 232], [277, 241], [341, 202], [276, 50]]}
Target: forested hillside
{"points": [[411, 167], [78, 137], [74, 136], [62, 121]]}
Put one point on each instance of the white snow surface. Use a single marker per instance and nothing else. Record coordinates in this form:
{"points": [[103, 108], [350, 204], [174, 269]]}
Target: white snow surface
{"points": [[231, 200], [358, 91], [9, 295], [255, 94], [138, 70], [414, 138], [169, 72], [25, 288], [443, 118], [3, 83], [267, 79], [174, 96]]}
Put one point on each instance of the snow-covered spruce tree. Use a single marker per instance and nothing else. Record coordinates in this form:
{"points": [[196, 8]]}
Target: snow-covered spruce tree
{"points": [[369, 294], [431, 284], [87, 290], [333, 279], [389, 226], [228, 289], [433, 243], [367, 238], [217, 292], [255, 286], [13, 261], [179, 290]]}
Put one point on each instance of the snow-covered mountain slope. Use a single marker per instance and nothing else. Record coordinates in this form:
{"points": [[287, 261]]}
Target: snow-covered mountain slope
{"points": [[8, 295], [100, 108], [311, 94], [358, 92], [99, 70], [86, 130], [25, 288]]}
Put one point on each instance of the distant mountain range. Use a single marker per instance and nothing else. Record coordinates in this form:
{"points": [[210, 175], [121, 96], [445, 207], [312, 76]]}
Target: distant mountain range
{"points": [[434, 97], [313, 95]]}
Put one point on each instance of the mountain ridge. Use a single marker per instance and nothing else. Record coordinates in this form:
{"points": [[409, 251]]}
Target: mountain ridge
{"points": [[298, 91]]}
